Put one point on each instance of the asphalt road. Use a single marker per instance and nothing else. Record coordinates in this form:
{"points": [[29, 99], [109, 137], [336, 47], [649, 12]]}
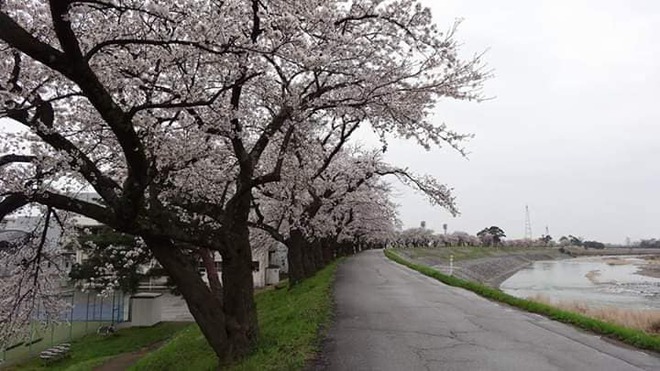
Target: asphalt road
{"points": [[389, 317]]}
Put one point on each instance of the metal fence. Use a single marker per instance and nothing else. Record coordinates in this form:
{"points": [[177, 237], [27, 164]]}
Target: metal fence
{"points": [[87, 313]]}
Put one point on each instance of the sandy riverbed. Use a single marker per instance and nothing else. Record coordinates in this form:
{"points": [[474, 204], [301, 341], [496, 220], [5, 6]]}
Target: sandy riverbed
{"points": [[651, 268], [650, 265]]}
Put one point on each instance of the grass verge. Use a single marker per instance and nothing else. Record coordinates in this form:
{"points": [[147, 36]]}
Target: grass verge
{"points": [[93, 350], [627, 335], [290, 322]]}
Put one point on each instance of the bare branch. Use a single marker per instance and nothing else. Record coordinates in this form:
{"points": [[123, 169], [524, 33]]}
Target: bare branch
{"points": [[11, 158]]}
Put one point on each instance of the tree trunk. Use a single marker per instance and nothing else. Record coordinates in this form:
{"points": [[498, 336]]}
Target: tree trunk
{"points": [[328, 252], [211, 270], [238, 285], [295, 245], [318, 255], [345, 248], [308, 259], [204, 305]]}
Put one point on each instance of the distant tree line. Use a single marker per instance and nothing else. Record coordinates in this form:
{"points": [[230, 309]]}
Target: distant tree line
{"points": [[571, 240], [488, 236], [649, 244]]}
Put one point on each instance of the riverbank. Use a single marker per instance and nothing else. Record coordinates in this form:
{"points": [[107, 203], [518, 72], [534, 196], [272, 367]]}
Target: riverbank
{"points": [[493, 265], [486, 265]]}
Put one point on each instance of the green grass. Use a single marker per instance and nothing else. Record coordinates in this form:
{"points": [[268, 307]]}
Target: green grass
{"points": [[627, 335], [290, 323], [51, 335], [92, 350]]}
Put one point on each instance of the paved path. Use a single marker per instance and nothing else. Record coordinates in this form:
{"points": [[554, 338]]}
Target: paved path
{"points": [[392, 318]]}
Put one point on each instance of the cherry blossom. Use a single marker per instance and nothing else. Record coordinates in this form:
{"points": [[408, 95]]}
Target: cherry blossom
{"points": [[174, 113]]}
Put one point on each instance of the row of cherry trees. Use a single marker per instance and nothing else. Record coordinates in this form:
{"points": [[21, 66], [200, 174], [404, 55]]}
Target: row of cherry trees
{"points": [[419, 237], [424, 237], [207, 126]]}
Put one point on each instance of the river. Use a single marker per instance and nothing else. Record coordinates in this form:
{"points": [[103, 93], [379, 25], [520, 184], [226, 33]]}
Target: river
{"points": [[596, 281]]}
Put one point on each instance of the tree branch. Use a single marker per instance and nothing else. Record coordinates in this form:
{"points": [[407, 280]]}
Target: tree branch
{"points": [[12, 203], [123, 42], [275, 175], [14, 35], [256, 21], [104, 185], [274, 126], [12, 158], [269, 229], [73, 66], [345, 134], [118, 120]]}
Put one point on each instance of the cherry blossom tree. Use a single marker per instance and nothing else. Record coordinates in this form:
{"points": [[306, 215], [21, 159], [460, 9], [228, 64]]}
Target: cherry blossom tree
{"points": [[114, 261], [30, 279], [461, 238], [174, 112], [302, 210]]}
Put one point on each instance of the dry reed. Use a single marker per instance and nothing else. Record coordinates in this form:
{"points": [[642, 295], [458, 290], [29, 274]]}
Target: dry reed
{"points": [[645, 320]]}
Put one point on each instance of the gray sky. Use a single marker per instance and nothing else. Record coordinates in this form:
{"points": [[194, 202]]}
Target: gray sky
{"points": [[572, 132]]}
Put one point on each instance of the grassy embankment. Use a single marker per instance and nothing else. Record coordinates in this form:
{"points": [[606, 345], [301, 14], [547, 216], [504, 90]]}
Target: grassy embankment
{"points": [[49, 336], [630, 336], [460, 253], [93, 350], [290, 322]]}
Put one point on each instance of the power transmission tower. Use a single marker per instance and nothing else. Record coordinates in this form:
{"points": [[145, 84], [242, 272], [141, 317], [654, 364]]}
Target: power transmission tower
{"points": [[528, 224]]}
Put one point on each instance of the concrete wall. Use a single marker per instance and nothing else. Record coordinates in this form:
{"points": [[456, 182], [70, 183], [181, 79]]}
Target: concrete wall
{"points": [[146, 309], [272, 276]]}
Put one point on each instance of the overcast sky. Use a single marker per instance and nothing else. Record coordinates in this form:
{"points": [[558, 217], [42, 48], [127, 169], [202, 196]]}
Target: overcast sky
{"points": [[573, 128]]}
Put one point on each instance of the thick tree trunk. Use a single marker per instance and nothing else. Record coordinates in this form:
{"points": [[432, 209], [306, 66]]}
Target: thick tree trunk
{"points": [[345, 248], [328, 251], [238, 285], [317, 250], [295, 245], [308, 260], [205, 306]]}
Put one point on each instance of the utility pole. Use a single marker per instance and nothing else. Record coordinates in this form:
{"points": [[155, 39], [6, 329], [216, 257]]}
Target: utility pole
{"points": [[528, 224]]}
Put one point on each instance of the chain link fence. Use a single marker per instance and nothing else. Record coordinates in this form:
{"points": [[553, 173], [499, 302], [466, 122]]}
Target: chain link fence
{"points": [[88, 312]]}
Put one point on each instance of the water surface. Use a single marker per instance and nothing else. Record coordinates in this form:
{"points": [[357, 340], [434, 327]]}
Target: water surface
{"points": [[599, 281]]}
